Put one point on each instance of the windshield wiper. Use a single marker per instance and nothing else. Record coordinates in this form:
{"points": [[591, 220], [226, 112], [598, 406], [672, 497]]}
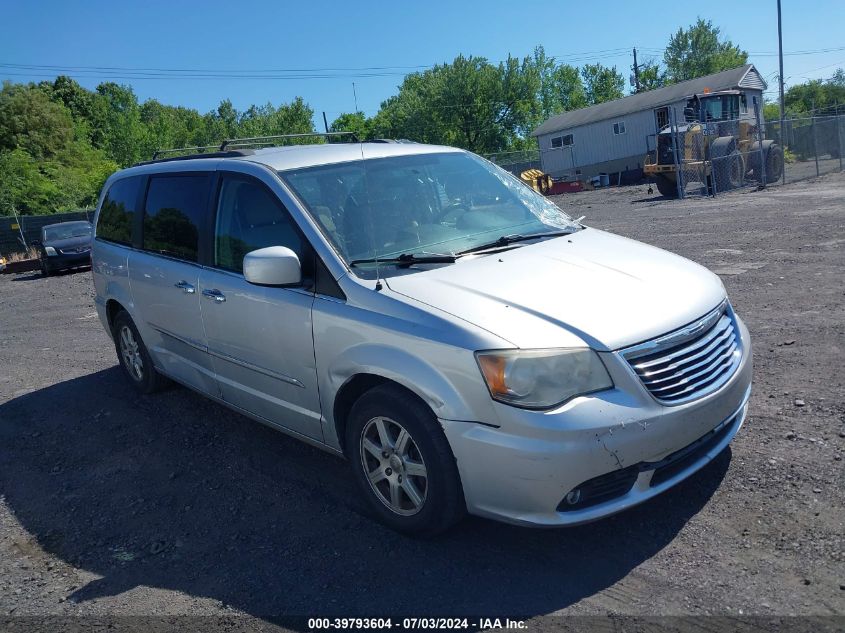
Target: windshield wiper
{"points": [[507, 240], [407, 259]]}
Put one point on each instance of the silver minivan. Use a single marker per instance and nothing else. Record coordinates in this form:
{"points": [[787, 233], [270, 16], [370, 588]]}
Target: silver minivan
{"points": [[462, 341]]}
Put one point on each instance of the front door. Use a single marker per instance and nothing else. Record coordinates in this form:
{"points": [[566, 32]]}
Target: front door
{"points": [[259, 338]]}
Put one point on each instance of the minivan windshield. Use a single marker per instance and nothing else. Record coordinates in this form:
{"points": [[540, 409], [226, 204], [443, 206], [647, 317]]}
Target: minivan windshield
{"points": [[421, 205], [66, 230]]}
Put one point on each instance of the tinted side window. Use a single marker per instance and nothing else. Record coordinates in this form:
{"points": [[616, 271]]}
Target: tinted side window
{"points": [[118, 211], [173, 214], [249, 216]]}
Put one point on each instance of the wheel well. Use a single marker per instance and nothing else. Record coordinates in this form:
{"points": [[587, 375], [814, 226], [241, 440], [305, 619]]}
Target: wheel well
{"points": [[112, 308], [349, 393]]}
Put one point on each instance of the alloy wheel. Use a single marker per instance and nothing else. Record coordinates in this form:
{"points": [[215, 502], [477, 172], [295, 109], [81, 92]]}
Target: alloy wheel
{"points": [[131, 353], [394, 466]]}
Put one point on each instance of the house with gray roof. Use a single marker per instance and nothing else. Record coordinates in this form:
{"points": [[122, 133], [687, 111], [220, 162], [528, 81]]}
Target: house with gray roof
{"points": [[614, 137]]}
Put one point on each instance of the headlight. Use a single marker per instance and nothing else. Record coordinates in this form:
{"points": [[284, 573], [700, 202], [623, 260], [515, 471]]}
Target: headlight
{"points": [[543, 378], [50, 251]]}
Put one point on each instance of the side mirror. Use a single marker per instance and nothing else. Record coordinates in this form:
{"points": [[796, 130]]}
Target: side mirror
{"points": [[272, 266], [689, 114]]}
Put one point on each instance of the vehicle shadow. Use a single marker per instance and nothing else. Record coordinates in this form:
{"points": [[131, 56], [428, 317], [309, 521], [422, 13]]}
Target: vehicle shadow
{"points": [[654, 198], [36, 274], [175, 491]]}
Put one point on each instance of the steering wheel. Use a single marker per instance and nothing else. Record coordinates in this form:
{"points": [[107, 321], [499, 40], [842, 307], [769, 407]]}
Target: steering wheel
{"points": [[455, 210]]}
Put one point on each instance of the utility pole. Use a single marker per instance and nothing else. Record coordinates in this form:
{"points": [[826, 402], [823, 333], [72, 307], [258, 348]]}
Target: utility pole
{"points": [[636, 72], [355, 94], [780, 81], [325, 121]]}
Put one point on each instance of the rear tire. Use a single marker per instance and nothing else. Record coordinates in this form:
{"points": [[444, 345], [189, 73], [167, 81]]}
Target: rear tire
{"points": [[667, 187], [774, 164], [394, 441], [45, 271], [133, 356]]}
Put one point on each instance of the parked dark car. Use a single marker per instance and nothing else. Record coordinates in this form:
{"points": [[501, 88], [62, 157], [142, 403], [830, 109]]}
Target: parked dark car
{"points": [[64, 245]]}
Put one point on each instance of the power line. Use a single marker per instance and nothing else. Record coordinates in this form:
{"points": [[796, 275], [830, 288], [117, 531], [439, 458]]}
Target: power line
{"points": [[75, 75], [586, 54], [815, 51], [328, 72], [204, 70]]}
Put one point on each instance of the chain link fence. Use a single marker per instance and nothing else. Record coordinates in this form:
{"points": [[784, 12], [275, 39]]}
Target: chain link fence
{"points": [[813, 146], [18, 232], [516, 162], [714, 157]]}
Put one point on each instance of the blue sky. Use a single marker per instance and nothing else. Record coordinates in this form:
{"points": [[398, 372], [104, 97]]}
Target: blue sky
{"points": [[214, 36]]}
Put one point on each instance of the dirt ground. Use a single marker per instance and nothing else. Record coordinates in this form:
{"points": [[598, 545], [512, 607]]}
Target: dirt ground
{"points": [[115, 504]]}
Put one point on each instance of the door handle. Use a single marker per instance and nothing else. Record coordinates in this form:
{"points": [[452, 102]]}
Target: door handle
{"points": [[187, 288], [215, 294]]}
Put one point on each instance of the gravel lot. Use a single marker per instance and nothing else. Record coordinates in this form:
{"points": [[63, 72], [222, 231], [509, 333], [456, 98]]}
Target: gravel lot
{"points": [[112, 503]]}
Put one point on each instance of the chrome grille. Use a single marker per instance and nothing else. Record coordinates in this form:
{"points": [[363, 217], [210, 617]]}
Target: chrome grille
{"points": [[690, 363]]}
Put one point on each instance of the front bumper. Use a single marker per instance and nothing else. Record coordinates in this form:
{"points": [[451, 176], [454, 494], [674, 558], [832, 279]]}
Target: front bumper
{"points": [[652, 169], [71, 260], [521, 471]]}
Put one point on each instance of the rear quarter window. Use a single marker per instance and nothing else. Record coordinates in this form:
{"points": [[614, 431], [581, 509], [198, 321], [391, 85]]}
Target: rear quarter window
{"points": [[117, 214], [173, 214]]}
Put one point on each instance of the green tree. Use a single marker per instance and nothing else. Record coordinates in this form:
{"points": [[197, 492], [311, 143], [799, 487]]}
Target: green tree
{"points": [[355, 122], [31, 121], [72, 180], [568, 88], [561, 87], [296, 117], [468, 102], [817, 96], [771, 112], [59, 142], [651, 77], [698, 51], [602, 83], [117, 127], [23, 188], [78, 100]]}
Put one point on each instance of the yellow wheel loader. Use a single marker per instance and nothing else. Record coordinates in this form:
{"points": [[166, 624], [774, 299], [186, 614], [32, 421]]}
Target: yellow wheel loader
{"points": [[718, 141], [537, 180]]}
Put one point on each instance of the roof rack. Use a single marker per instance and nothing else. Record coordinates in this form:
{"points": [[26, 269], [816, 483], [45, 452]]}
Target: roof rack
{"points": [[197, 149], [265, 141], [238, 146], [232, 153]]}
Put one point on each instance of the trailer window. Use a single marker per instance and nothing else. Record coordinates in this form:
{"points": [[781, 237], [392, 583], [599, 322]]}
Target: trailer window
{"points": [[560, 141], [662, 117]]}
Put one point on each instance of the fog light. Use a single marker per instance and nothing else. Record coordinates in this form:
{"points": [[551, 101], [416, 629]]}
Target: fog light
{"points": [[573, 497]]}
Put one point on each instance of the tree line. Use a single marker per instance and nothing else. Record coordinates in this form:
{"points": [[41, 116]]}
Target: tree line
{"points": [[60, 141]]}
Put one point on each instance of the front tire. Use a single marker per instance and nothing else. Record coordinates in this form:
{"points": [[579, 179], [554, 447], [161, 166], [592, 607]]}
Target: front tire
{"points": [[403, 463], [730, 171], [134, 357], [667, 188]]}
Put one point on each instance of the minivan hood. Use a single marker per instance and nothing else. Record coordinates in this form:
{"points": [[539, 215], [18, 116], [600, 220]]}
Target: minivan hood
{"points": [[588, 287]]}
